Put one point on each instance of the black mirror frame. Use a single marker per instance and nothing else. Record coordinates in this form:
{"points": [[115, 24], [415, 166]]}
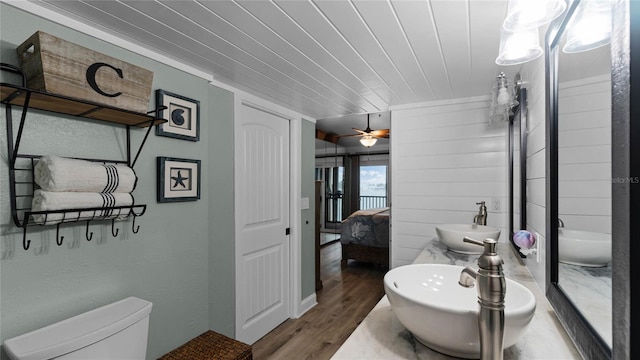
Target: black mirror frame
{"points": [[520, 114], [586, 339], [625, 130]]}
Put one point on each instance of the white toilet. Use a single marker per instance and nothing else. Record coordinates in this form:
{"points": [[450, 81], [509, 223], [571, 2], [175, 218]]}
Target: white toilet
{"points": [[114, 331]]}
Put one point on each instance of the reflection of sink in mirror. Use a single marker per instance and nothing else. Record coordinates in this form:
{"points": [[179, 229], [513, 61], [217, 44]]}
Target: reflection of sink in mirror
{"points": [[584, 248], [443, 315], [452, 234]]}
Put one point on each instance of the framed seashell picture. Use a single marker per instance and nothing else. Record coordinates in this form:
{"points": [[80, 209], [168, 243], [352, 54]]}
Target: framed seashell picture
{"points": [[182, 115]]}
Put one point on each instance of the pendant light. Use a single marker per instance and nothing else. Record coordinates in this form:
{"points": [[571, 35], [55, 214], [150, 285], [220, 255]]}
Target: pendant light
{"points": [[530, 14], [518, 47], [519, 38], [590, 28]]}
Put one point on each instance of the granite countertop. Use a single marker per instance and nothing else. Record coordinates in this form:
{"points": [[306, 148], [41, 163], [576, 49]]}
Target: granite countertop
{"points": [[382, 336]]}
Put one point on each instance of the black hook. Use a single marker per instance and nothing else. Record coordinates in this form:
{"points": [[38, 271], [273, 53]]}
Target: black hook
{"points": [[133, 225], [25, 243], [58, 237], [113, 224], [89, 236]]}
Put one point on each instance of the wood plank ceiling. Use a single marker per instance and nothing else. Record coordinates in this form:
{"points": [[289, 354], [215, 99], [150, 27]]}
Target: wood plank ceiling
{"points": [[321, 58]]}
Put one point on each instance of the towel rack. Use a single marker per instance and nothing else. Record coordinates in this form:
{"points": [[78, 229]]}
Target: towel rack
{"points": [[21, 178]]}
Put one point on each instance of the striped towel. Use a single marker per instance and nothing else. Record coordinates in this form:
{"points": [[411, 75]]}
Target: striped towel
{"points": [[54, 173], [52, 201]]}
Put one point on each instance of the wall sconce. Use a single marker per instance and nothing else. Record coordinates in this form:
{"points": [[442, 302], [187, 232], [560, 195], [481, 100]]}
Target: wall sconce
{"points": [[530, 14], [502, 99], [368, 140], [518, 47], [590, 28]]}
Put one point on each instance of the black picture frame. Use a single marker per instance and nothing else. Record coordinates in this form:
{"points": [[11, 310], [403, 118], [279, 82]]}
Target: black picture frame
{"points": [[178, 179], [182, 115]]}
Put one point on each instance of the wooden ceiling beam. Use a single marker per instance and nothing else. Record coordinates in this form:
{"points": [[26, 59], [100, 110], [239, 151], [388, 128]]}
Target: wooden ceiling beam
{"points": [[332, 138]]}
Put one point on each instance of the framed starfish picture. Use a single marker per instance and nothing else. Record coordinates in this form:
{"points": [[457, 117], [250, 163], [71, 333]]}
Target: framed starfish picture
{"points": [[178, 179], [182, 115]]}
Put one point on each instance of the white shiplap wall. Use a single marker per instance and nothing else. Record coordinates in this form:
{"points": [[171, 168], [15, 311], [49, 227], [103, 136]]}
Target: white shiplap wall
{"points": [[584, 154], [445, 157]]}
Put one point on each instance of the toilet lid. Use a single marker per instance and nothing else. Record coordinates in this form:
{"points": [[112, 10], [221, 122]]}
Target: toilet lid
{"points": [[77, 332]]}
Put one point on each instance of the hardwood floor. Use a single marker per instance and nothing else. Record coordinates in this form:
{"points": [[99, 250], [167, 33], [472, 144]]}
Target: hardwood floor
{"points": [[346, 298]]}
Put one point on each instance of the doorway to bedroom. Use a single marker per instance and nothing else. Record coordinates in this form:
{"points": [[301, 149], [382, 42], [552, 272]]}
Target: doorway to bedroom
{"points": [[371, 190]]}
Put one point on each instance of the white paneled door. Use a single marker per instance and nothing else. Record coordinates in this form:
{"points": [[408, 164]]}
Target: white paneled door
{"points": [[262, 222]]}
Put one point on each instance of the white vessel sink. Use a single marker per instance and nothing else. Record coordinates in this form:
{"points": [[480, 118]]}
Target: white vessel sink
{"points": [[443, 315], [584, 248], [452, 234]]}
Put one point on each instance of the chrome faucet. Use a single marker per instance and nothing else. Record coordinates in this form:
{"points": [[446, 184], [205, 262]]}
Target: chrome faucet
{"points": [[481, 218], [560, 223], [492, 288]]}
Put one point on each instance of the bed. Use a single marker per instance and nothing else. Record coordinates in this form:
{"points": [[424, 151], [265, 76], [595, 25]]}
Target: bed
{"points": [[364, 236]]}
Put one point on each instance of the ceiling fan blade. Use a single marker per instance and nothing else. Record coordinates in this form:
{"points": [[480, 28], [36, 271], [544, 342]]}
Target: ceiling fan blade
{"points": [[381, 132], [349, 135], [360, 131]]}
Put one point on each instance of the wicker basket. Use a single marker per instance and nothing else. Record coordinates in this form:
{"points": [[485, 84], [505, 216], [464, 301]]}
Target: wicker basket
{"points": [[211, 346]]}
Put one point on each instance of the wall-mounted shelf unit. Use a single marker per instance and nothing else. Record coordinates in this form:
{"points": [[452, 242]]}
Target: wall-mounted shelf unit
{"points": [[21, 178]]}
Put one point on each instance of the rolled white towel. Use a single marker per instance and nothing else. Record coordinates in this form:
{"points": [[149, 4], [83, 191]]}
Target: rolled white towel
{"points": [[51, 201], [54, 173]]}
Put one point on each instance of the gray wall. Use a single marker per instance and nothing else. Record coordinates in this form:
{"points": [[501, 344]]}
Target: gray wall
{"points": [[182, 258], [220, 196]]}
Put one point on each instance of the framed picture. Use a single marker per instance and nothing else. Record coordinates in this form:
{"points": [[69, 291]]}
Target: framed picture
{"points": [[182, 115], [178, 179]]}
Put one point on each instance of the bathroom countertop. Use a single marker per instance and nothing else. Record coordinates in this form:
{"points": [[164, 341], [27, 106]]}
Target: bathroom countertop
{"points": [[589, 288], [382, 336]]}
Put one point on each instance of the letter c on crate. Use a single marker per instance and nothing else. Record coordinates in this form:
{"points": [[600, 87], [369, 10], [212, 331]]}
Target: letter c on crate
{"points": [[91, 78]]}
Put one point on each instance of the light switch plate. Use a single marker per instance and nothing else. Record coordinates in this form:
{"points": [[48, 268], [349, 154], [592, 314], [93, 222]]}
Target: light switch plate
{"points": [[304, 203]]}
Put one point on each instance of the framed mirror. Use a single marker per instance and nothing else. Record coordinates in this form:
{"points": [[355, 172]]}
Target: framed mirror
{"points": [[579, 221]]}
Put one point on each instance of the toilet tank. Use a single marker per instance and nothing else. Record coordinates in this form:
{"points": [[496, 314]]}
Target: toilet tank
{"points": [[115, 331]]}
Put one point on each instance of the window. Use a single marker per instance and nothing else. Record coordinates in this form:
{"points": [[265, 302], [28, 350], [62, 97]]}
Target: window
{"points": [[373, 186]]}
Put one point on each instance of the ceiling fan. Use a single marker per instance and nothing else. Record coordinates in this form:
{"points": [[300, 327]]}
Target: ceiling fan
{"points": [[369, 136]]}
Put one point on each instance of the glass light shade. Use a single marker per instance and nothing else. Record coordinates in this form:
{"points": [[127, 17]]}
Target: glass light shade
{"points": [[502, 99], [368, 140], [518, 47], [530, 14], [591, 27]]}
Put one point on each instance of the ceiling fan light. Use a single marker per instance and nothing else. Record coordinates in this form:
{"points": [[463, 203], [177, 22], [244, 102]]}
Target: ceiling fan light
{"points": [[368, 140]]}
